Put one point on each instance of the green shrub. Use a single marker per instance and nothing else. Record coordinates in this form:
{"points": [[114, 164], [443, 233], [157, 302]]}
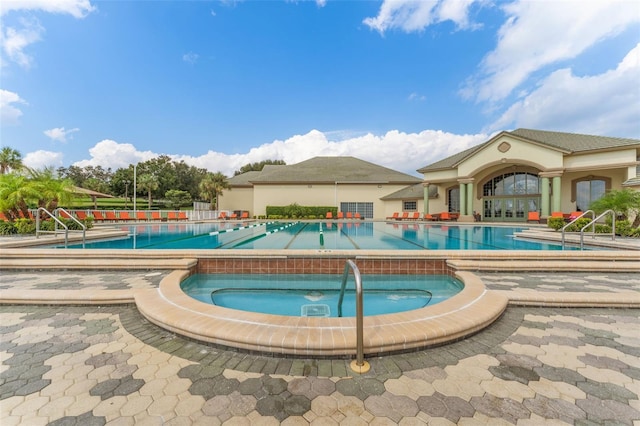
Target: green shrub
{"points": [[602, 228], [7, 228], [578, 224], [555, 223], [25, 226]]}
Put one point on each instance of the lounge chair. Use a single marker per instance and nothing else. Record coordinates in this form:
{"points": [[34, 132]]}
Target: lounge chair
{"points": [[123, 215], [172, 215], [415, 216], [141, 216], [156, 215], [445, 216], [394, 216], [222, 216], [98, 216], [557, 214], [349, 215], [356, 215], [428, 216], [111, 216], [233, 216], [405, 216], [245, 215], [329, 215], [340, 215], [533, 217], [182, 216], [574, 215]]}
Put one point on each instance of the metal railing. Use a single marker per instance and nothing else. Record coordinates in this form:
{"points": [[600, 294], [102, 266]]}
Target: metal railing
{"points": [[592, 223], [593, 214], [59, 224], [350, 265]]}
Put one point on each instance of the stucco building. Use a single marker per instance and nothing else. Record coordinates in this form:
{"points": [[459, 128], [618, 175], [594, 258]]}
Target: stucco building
{"points": [[502, 179]]}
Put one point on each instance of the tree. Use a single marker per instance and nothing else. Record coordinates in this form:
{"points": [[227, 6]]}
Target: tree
{"points": [[258, 166], [625, 203], [10, 160], [15, 195], [177, 198], [51, 191], [149, 183], [212, 185]]}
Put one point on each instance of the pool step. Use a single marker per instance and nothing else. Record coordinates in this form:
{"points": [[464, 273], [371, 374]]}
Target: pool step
{"points": [[545, 265], [90, 262]]}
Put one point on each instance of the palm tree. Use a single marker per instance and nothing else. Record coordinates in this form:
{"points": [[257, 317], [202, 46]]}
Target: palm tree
{"points": [[148, 182], [16, 193], [10, 159], [211, 186], [624, 203], [52, 192]]}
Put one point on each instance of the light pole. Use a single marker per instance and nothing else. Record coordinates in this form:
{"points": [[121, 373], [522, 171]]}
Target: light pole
{"points": [[126, 194], [135, 188]]}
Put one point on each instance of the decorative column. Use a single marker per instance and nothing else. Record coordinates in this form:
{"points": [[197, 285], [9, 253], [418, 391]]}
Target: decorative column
{"points": [[556, 184], [544, 194], [425, 191], [470, 198], [463, 199]]}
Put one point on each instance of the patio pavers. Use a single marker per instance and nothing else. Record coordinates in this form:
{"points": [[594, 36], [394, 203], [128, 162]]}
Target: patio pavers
{"points": [[87, 365]]}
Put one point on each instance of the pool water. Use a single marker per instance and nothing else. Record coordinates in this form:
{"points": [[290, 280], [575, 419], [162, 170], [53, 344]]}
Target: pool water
{"points": [[326, 235], [318, 294]]}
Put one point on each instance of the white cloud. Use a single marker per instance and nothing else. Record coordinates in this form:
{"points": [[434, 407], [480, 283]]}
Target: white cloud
{"points": [[537, 34], [190, 57], [605, 104], [75, 8], [412, 15], [416, 97], [41, 159], [9, 113], [15, 40], [397, 150], [60, 134], [109, 153]]}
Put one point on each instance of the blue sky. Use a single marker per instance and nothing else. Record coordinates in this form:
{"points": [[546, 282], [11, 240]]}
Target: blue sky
{"points": [[220, 84]]}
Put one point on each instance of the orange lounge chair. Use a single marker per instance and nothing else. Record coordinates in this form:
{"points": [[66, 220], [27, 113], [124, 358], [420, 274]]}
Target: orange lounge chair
{"points": [[394, 216], [156, 215], [416, 216], [445, 216], [427, 216], [81, 214], [533, 217], [356, 215], [245, 215], [405, 216], [182, 216], [574, 215], [172, 216], [63, 214], [340, 215], [233, 216], [98, 216], [222, 216], [124, 216], [141, 216], [111, 216], [329, 215], [557, 214], [349, 215]]}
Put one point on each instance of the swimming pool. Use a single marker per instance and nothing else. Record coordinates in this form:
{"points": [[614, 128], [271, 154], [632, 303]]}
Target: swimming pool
{"points": [[316, 295], [324, 235]]}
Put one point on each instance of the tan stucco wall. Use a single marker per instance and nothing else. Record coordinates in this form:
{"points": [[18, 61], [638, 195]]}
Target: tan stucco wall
{"points": [[520, 152], [601, 160], [237, 199], [322, 195]]}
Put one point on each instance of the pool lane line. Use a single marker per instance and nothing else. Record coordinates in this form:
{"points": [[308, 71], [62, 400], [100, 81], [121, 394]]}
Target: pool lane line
{"points": [[272, 231], [240, 227]]}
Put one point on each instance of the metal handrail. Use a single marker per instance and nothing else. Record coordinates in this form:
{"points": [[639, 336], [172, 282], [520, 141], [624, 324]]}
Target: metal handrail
{"points": [[55, 231], [593, 214], [350, 265], [592, 223], [76, 220]]}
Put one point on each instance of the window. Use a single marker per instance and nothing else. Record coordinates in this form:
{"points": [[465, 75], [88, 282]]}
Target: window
{"points": [[409, 206], [453, 199], [588, 191], [365, 209], [518, 183]]}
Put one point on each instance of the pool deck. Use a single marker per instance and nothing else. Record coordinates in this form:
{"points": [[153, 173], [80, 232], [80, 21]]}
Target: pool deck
{"points": [[559, 354]]}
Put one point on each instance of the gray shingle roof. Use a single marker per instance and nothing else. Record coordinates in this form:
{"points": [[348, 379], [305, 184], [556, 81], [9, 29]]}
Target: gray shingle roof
{"points": [[570, 142], [333, 169], [413, 192], [243, 179]]}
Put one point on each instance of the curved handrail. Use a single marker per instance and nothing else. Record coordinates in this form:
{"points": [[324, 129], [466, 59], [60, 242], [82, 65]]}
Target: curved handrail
{"points": [[73, 218], [58, 222], [593, 214], [593, 221], [350, 265]]}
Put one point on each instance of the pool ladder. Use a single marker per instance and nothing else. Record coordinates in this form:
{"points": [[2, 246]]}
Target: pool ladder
{"points": [[359, 364]]}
